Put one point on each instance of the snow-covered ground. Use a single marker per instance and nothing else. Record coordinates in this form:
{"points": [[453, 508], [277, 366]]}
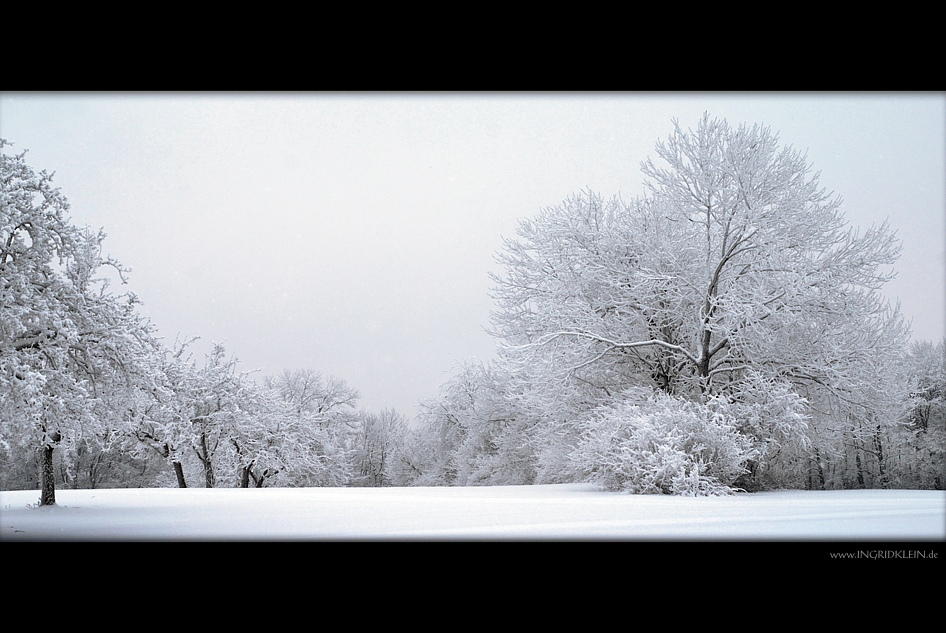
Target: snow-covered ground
{"points": [[560, 512]]}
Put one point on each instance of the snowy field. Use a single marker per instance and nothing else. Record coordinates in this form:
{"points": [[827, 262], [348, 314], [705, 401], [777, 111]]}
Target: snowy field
{"points": [[548, 512]]}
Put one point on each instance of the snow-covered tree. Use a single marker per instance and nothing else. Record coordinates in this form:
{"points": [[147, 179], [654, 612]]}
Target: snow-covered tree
{"points": [[72, 353], [476, 438], [214, 396], [737, 259], [735, 267], [259, 438], [161, 424], [916, 448], [378, 443], [322, 422], [191, 411], [431, 451]]}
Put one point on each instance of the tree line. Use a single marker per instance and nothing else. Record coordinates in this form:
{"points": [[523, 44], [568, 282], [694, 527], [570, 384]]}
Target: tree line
{"points": [[91, 397], [725, 331]]}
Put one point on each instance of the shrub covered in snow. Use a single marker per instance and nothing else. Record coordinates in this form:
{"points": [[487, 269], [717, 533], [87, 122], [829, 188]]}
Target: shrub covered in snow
{"points": [[653, 443]]}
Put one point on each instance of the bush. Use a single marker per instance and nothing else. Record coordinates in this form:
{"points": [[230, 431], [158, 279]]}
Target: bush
{"points": [[653, 443]]}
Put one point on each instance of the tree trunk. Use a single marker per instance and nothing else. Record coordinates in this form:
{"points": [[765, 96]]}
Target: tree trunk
{"points": [[860, 469], [179, 471], [209, 479], [207, 461], [178, 467], [880, 459], [245, 477], [258, 481], [819, 470], [48, 479]]}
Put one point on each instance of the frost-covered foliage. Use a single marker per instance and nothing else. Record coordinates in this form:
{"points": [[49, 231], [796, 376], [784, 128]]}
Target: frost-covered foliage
{"points": [[775, 419], [89, 397], [379, 450], [72, 354], [319, 428], [734, 277], [916, 454], [650, 442], [215, 425], [472, 434]]}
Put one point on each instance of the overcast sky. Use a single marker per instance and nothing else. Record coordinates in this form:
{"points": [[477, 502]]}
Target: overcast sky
{"points": [[352, 233]]}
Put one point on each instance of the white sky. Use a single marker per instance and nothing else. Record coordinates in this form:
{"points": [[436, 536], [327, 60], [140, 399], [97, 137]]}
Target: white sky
{"points": [[352, 233]]}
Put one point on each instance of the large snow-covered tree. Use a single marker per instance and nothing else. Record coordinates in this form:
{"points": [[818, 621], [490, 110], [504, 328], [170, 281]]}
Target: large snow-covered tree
{"points": [[738, 258], [72, 353], [736, 268]]}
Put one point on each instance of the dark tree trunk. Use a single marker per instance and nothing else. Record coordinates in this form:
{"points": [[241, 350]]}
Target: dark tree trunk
{"points": [[48, 473], [209, 479], [179, 471], [245, 477], [258, 480], [207, 461], [880, 459], [819, 470], [178, 467]]}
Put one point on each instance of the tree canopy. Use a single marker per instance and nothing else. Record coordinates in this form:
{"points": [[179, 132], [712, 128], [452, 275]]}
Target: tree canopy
{"points": [[70, 350], [738, 261]]}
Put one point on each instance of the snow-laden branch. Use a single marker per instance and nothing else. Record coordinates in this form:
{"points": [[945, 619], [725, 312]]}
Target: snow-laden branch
{"points": [[548, 338]]}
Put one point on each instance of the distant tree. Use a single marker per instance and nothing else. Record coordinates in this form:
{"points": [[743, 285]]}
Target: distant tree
{"points": [[916, 448], [379, 441], [71, 352], [318, 440], [210, 419], [403, 466], [431, 452], [260, 436], [161, 417], [216, 397]]}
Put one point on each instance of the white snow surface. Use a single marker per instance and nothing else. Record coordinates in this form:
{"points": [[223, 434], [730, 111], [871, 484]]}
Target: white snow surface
{"points": [[541, 512]]}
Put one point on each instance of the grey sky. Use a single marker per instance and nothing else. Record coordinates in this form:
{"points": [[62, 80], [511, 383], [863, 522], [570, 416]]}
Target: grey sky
{"points": [[352, 232]]}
